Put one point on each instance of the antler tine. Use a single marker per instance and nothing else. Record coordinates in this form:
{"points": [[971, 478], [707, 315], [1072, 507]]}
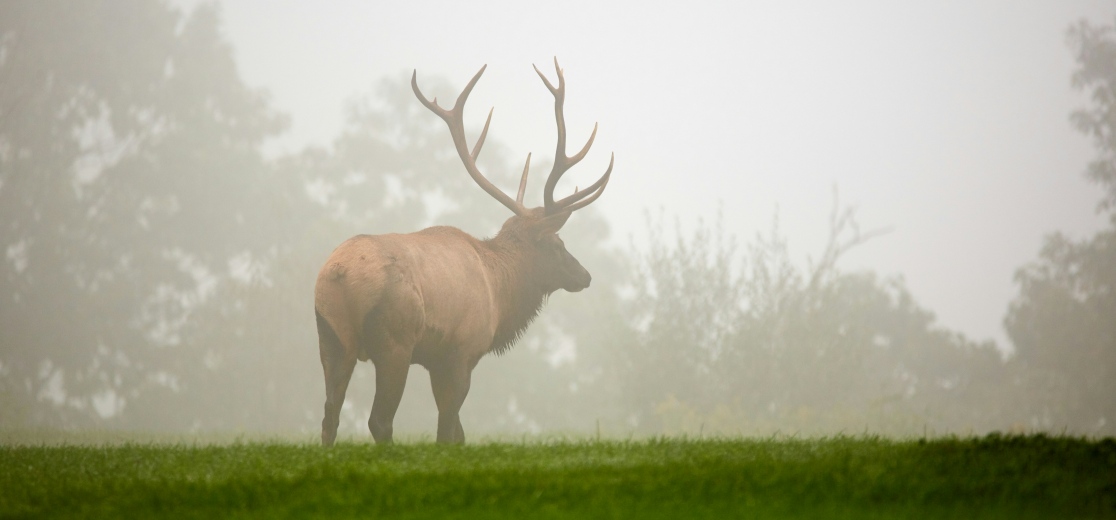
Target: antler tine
{"points": [[550, 86], [432, 105], [523, 179], [454, 118], [484, 133], [584, 149], [578, 200]]}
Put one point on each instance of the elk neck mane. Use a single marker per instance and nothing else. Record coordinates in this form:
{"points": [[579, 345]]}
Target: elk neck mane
{"points": [[519, 293]]}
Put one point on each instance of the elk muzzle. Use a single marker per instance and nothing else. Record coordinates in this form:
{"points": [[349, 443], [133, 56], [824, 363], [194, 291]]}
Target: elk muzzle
{"points": [[577, 277]]}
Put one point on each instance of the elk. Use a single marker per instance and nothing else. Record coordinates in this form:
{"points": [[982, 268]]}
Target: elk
{"points": [[441, 298]]}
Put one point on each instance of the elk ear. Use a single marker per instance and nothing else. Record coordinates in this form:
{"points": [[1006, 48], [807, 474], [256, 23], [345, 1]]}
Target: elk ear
{"points": [[549, 225]]}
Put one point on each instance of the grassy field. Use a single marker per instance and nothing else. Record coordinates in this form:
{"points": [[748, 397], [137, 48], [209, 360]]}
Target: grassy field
{"points": [[991, 477]]}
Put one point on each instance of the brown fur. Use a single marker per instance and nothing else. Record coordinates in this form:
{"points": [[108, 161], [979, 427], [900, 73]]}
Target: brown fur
{"points": [[439, 298]]}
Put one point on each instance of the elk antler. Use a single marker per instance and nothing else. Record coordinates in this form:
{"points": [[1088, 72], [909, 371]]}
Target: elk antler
{"points": [[453, 118], [562, 162]]}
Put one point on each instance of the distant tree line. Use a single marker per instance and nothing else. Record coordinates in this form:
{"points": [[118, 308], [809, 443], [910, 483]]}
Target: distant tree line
{"points": [[1062, 321], [157, 270], [750, 343]]}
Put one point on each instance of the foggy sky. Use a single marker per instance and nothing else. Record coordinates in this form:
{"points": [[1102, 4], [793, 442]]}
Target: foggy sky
{"points": [[945, 121]]}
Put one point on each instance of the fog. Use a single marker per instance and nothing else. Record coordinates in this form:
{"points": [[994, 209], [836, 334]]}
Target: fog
{"points": [[947, 123], [173, 180]]}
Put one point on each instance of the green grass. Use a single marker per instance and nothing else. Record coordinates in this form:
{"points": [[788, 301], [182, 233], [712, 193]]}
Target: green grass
{"points": [[991, 477]]}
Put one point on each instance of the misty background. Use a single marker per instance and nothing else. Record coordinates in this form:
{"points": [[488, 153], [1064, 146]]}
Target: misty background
{"points": [[823, 219]]}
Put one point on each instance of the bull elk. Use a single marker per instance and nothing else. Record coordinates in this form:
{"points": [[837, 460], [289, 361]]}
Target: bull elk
{"points": [[441, 298]]}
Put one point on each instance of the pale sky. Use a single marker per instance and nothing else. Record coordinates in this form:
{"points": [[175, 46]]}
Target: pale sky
{"points": [[946, 121]]}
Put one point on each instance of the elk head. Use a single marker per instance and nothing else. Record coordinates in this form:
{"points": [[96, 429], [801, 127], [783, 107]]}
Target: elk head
{"points": [[531, 232]]}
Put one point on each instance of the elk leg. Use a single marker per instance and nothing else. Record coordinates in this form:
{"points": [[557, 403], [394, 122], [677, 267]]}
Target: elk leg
{"points": [[450, 385], [391, 378], [338, 369]]}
